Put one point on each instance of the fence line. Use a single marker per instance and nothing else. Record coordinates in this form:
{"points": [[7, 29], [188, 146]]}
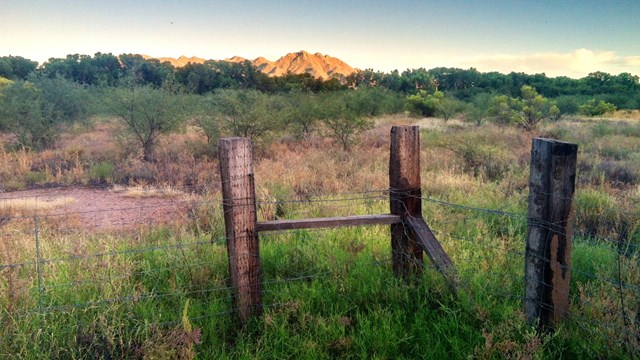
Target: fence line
{"points": [[595, 240], [511, 248], [471, 211]]}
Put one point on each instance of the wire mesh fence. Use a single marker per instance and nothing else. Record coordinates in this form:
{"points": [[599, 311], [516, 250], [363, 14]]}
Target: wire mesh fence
{"points": [[164, 263]]}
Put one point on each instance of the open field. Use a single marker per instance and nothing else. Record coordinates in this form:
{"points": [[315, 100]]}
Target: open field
{"points": [[135, 266]]}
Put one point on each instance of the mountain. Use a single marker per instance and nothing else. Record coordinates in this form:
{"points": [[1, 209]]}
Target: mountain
{"points": [[301, 62], [179, 62]]}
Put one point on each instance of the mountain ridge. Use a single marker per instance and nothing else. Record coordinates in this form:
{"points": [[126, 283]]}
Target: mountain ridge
{"points": [[302, 62]]}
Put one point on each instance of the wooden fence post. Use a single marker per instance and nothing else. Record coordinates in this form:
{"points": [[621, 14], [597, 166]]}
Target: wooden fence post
{"points": [[239, 204], [405, 197], [549, 231]]}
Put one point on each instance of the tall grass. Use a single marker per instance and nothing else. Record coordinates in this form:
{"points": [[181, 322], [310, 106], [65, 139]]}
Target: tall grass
{"points": [[162, 291]]}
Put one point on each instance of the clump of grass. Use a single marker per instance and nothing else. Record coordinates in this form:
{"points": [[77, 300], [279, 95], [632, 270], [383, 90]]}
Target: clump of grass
{"points": [[596, 212], [102, 172]]}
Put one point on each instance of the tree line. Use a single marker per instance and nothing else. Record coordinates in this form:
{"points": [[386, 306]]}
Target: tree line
{"points": [[622, 90], [153, 98]]}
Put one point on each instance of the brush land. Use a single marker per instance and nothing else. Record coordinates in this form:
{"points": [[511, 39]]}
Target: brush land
{"points": [[112, 236]]}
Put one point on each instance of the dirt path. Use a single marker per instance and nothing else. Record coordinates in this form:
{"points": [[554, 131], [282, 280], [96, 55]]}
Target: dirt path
{"points": [[97, 208]]}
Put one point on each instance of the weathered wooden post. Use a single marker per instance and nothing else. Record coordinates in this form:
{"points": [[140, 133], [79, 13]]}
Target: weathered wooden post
{"points": [[405, 197], [549, 231], [238, 192]]}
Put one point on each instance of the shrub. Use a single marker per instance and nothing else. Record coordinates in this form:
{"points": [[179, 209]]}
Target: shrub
{"points": [[246, 113], [101, 172], [36, 177], [344, 118], [593, 108], [479, 108], [34, 111], [422, 103], [568, 104], [148, 113]]}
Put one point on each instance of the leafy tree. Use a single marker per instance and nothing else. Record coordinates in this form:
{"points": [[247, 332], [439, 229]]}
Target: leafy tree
{"points": [[394, 81], [243, 76], [568, 104], [374, 101], [148, 112], [101, 69], [16, 67], [34, 111], [500, 109], [454, 79], [436, 104], [423, 103], [343, 118], [106, 69], [364, 78], [479, 108], [145, 71], [198, 78], [531, 108], [303, 113], [525, 111], [247, 113]]}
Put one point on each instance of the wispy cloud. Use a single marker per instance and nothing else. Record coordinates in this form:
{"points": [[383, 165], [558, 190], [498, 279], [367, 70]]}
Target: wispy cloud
{"points": [[576, 64]]}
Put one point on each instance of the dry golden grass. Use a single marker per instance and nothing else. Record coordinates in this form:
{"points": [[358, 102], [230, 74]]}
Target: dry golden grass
{"points": [[30, 205], [625, 114], [312, 167], [142, 191]]}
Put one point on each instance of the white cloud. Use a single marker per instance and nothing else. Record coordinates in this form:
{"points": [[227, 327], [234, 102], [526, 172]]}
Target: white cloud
{"points": [[576, 64]]}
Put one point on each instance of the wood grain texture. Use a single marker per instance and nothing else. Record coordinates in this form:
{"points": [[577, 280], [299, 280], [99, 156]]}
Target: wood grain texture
{"points": [[405, 197], [549, 231], [238, 192], [329, 222]]}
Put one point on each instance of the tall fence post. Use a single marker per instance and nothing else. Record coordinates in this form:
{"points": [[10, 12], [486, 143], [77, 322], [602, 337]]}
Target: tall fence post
{"points": [[405, 197], [549, 231], [239, 204]]}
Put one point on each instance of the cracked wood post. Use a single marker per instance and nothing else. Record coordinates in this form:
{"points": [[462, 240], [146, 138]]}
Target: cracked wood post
{"points": [[549, 231], [405, 198], [239, 204]]}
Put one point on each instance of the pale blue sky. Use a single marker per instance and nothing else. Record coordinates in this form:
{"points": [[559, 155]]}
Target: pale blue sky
{"points": [[557, 37]]}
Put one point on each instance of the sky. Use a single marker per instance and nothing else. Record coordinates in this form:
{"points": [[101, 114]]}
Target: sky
{"points": [[568, 38]]}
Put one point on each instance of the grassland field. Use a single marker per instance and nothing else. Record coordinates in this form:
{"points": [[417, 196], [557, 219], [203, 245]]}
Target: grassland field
{"points": [[157, 286]]}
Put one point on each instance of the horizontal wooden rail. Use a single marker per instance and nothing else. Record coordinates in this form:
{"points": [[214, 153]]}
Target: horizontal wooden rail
{"points": [[329, 222]]}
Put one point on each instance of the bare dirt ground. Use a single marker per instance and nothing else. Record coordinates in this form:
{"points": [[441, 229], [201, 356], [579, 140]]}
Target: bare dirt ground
{"points": [[98, 208]]}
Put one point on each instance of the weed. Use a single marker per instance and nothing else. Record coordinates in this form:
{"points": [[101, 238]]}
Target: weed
{"points": [[102, 172]]}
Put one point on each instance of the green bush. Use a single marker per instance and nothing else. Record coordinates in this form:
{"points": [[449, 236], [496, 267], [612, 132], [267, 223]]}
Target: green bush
{"points": [[593, 108], [568, 104], [33, 111], [35, 178], [102, 172], [423, 103]]}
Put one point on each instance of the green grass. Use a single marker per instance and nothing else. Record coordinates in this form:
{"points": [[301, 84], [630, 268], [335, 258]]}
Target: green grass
{"points": [[327, 294], [163, 292]]}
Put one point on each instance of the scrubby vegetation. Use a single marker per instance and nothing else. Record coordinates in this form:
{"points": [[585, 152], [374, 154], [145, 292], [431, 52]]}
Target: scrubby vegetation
{"points": [[330, 294]]}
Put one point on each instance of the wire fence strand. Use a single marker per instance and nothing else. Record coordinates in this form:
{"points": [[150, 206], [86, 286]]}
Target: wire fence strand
{"points": [[169, 268]]}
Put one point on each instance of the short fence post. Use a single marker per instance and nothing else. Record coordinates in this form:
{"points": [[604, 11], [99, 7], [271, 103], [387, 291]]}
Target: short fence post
{"points": [[549, 231], [405, 197], [239, 204]]}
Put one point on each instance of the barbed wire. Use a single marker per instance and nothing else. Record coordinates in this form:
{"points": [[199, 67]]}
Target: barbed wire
{"points": [[514, 279]]}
